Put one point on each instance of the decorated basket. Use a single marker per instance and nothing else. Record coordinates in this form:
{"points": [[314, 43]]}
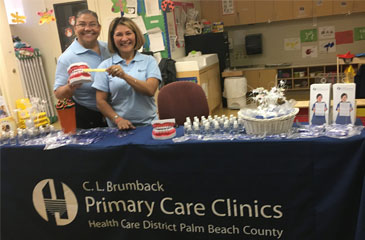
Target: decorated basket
{"points": [[269, 126]]}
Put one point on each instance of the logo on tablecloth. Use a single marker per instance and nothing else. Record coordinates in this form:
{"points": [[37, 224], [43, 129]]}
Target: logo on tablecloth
{"points": [[55, 202]]}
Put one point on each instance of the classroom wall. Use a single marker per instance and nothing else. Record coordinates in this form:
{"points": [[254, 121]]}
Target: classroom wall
{"points": [[273, 40], [105, 16], [10, 83], [44, 37]]}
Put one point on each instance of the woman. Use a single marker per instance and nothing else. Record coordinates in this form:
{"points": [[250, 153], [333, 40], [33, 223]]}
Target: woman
{"points": [[344, 109], [125, 92], [319, 108], [85, 48]]}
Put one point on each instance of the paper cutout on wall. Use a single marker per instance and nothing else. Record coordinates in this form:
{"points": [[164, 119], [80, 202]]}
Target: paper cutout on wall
{"points": [[68, 32], [327, 46], [152, 8], [308, 35], [118, 6], [309, 51], [167, 6], [72, 20], [359, 33], [140, 23], [130, 8], [327, 32], [155, 36], [46, 17], [291, 44], [17, 18], [344, 37]]}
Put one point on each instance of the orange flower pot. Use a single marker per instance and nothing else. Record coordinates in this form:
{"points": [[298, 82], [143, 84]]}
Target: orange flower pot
{"points": [[67, 118]]}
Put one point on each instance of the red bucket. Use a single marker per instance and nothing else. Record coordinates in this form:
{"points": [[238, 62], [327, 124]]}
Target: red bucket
{"points": [[67, 119]]}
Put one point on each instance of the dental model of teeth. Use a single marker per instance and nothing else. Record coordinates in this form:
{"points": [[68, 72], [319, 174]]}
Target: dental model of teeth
{"points": [[163, 129], [77, 74]]}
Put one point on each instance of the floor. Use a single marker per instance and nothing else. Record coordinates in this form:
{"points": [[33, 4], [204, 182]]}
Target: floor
{"points": [[57, 125]]}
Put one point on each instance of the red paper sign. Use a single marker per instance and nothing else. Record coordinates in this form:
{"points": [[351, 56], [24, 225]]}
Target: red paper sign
{"points": [[344, 37]]}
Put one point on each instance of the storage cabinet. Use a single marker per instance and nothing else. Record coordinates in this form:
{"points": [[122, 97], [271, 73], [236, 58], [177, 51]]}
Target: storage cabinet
{"points": [[209, 79], [359, 6], [245, 10], [283, 10], [342, 6], [264, 11], [211, 11], [260, 78], [322, 8], [301, 77], [302, 9], [250, 11]]}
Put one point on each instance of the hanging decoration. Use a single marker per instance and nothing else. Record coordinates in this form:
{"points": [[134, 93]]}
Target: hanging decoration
{"points": [[46, 17], [117, 6], [167, 6], [17, 18]]}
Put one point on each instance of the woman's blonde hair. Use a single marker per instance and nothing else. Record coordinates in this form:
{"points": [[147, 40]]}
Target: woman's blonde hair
{"points": [[131, 25]]}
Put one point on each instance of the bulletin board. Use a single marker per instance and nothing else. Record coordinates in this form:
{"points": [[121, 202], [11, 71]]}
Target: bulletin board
{"points": [[152, 22]]}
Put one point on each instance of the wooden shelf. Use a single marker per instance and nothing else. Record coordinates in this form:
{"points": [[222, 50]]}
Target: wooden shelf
{"points": [[332, 73]]}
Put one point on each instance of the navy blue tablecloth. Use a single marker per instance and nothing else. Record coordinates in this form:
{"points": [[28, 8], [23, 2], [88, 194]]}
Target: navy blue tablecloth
{"points": [[140, 188]]}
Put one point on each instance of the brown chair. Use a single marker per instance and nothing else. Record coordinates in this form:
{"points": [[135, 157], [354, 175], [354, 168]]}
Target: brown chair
{"points": [[180, 100]]}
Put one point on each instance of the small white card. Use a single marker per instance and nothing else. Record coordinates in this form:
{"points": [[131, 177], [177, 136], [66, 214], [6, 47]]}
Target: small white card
{"points": [[320, 109], [345, 109]]}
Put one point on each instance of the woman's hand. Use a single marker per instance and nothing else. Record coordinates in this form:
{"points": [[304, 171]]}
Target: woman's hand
{"points": [[115, 71], [73, 87], [124, 124]]}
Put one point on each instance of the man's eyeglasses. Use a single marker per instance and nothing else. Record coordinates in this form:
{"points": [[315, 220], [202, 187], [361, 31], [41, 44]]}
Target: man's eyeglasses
{"points": [[90, 25]]}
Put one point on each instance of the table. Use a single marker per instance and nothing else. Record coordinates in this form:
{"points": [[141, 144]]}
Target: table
{"points": [[139, 188], [305, 104]]}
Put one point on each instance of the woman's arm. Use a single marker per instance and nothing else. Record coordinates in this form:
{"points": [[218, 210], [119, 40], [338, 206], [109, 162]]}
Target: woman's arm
{"points": [[66, 91], [147, 87], [105, 108]]}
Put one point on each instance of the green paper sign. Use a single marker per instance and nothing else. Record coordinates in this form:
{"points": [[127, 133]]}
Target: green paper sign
{"points": [[359, 33], [308, 35]]}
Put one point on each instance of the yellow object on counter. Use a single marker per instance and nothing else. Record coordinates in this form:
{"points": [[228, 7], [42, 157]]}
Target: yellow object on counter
{"points": [[25, 112], [349, 74]]}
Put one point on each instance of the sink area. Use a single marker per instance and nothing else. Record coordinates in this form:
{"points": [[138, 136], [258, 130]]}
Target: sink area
{"points": [[195, 63]]}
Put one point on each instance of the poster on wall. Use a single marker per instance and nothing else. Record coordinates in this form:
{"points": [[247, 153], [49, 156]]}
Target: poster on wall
{"points": [[140, 23], [65, 14], [344, 37], [176, 22], [228, 7], [132, 7], [309, 51], [359, 33], [308, 35], [327, 46], [152, 8], [327, 32], [291, 44]]}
